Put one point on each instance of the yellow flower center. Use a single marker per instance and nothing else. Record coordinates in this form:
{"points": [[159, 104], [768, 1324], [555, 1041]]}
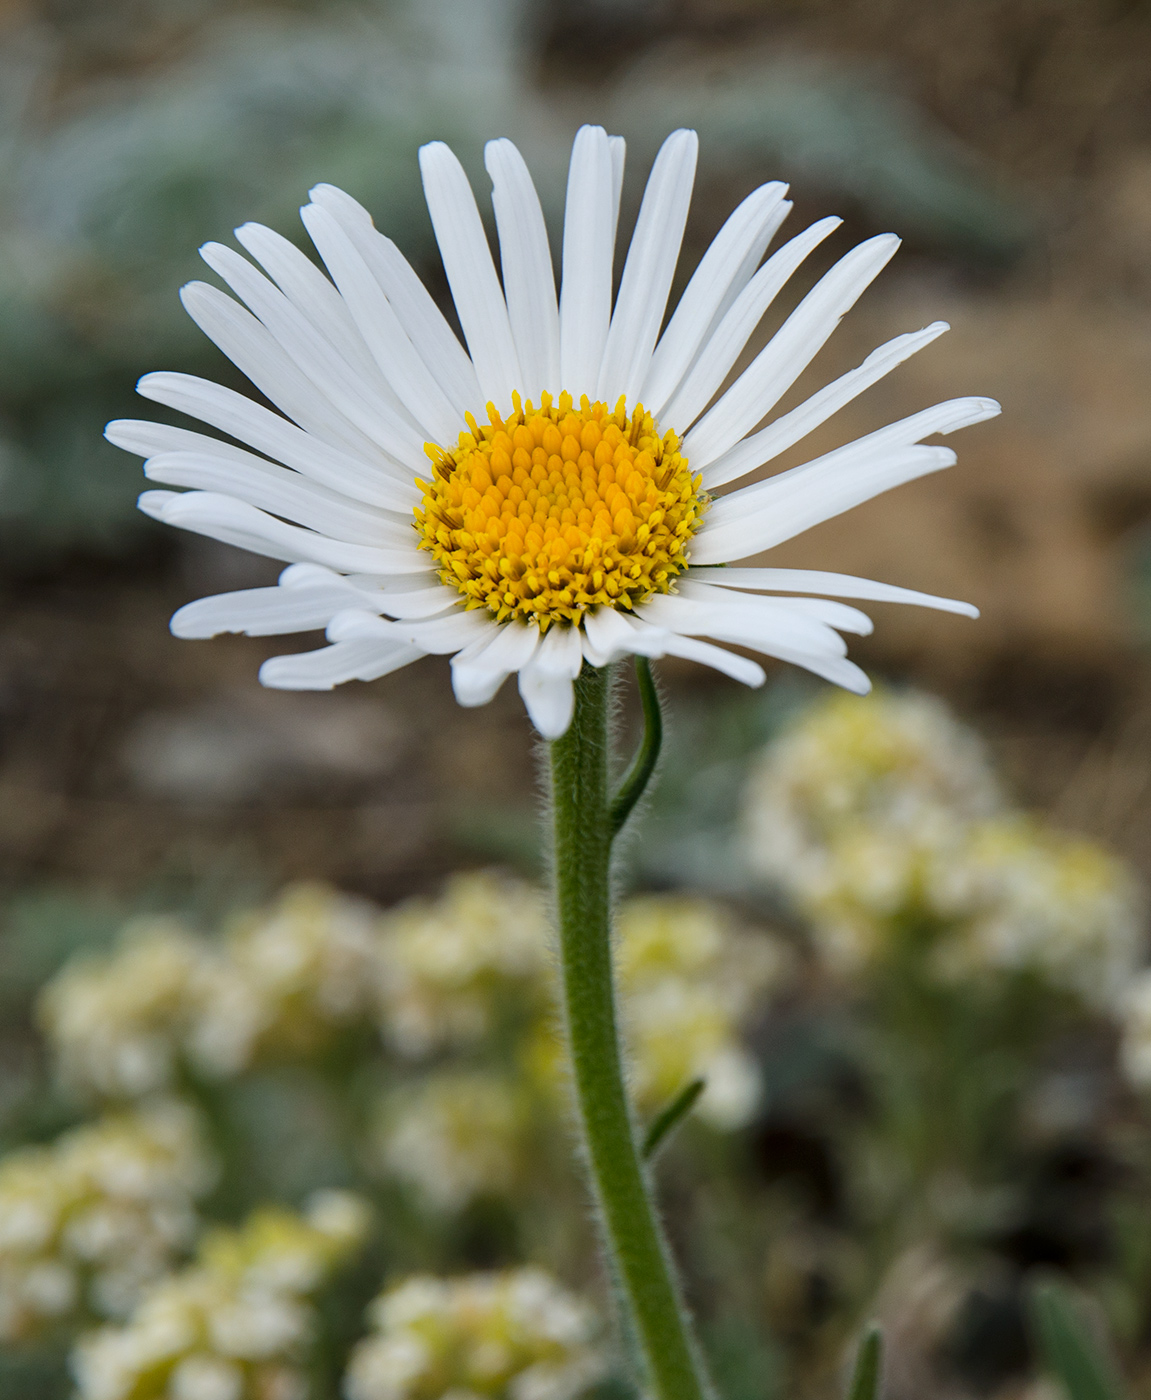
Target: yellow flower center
{"points": [[549, 512]]}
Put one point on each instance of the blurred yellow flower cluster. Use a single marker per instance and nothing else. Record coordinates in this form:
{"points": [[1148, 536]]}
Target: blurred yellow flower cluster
{"points": [[450, 966], [516, 1335], [285, 978], [90, 1221], [455, 1135], [464, 983], [235, 1324], [880, 819], [691, 980], [119, 1023]]}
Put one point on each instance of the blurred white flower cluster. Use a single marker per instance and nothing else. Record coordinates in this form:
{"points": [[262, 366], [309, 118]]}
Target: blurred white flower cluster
{"points": [[1035, 898], [450, 964], [119, 1022], [464, 985], [456, 1135], [690, 981], [89, 1221], [234, 1325], [126, 1023], [516, 1335], [881, 821]]}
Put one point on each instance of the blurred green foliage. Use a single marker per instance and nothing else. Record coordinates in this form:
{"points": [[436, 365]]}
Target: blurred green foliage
{"points": [[1071, 1353]]}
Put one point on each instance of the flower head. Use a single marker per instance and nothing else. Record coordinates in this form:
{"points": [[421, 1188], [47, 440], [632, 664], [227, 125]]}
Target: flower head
{"points": [[516, 1335], [547, 496]]}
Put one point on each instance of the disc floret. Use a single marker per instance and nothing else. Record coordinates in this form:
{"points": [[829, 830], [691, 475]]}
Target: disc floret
{"points": [[552, 511]]}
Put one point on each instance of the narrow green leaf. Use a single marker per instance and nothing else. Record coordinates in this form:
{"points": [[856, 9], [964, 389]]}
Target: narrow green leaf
{"points": [[1068, 1348], [671, 1117], [865, 1377]]}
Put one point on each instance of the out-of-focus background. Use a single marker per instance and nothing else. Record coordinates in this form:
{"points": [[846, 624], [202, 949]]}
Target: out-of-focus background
{"points": [[1009, 144], [1008, 141]]}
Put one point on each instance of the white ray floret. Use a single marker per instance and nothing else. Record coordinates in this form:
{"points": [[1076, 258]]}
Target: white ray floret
{"points": [[364, 372]]}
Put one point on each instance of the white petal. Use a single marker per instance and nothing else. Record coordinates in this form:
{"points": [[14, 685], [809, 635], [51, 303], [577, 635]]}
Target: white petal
{"points": [[726, 344], [560, 652], [610, 634], [147, 439], [427, 579], [283, 492], [649, 270], [546, 680], [817, 581], [478, 672], [739, 668], [267, 612], [392, 351], [365, 479], [823, 609], [801, 502], [836, 669], [234, 522], [768, 626], [306, 287], [333, 665], [252, 348], [617, 150], [529, 279], [371, 407], [358, 624], [848, 475], [549, 700], [589, 241], [410, 605], [419, 315], [735, 250], [837, 615], [789, 429], [784, 634], [471, 274], [459, 629], [789, 352]]}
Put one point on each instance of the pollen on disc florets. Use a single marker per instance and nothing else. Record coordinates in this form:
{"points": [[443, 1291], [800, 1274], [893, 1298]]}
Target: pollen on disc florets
{"points": [[551, 511]]}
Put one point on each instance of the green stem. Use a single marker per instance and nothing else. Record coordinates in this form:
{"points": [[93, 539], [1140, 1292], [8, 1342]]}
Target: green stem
{"points": [[638, 1252], [647, 756]]}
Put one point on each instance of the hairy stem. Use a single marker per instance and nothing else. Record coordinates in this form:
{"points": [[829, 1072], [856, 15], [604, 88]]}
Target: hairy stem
{"points": [[641, 1262]]}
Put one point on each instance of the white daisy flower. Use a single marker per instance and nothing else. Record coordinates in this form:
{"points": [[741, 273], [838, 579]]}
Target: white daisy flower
{"points": [[548, 496]]}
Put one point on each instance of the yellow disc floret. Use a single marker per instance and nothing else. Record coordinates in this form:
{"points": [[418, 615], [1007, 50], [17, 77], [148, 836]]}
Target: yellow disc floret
{"points": [[550, 512]]}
